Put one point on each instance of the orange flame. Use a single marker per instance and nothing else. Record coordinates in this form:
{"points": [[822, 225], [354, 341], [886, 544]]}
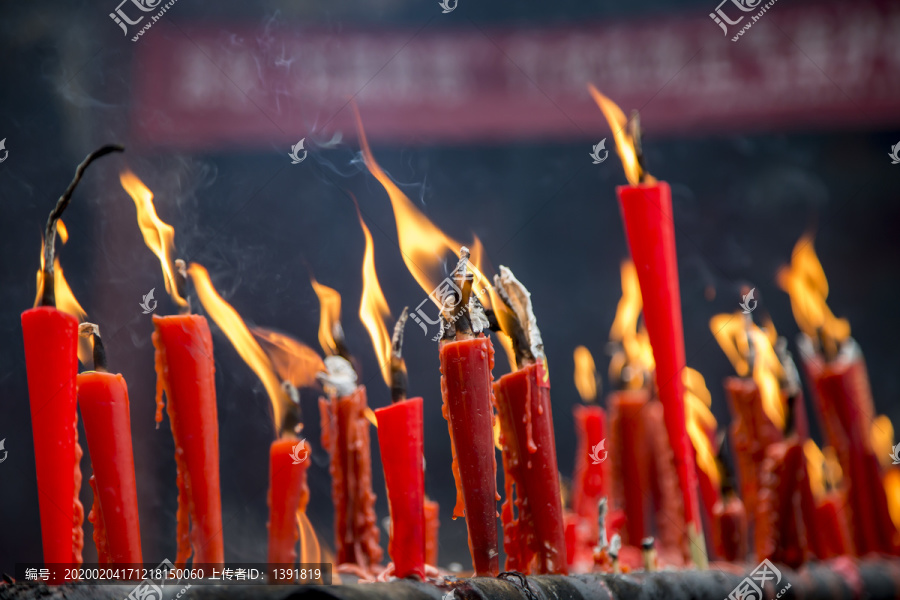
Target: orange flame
{"points": [[231, 324], [294, 361], [373, 308], [422, 244], [329, 315], [625, 145], [822, 466], [804, 280], [700, 422], [310, 549], [735, 335], [158, 235], [892, 489], [585, 374], [369, 414], [636, 353], [65, 298]]}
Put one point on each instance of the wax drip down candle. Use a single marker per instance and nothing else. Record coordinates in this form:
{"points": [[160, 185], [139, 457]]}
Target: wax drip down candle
{"points": [[50, 334], [185, 373]]}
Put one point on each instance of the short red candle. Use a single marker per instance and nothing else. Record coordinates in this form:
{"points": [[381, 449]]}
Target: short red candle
{"points": [[831, 518], [345, 434], [432, 529], [105, 411], [400, 438], [589, 481], [729, 529], [185, 370], [649, 225], [466, 377], [628, 461], [51, 362], [523, 397], [288, 495], [780, 530]]}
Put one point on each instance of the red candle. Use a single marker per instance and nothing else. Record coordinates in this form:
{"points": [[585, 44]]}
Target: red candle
{"points": [[649, 224], [185, 370], [523, 403], [51, 342], [105, 410], [288, 495], [751, 433], [780, 531], [466, 377], [400, 438], [729, 526], [345, 434], [628, 461], [835, 538], [432, 528], [589, 481]]}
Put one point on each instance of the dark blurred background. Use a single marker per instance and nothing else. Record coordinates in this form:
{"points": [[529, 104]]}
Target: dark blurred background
{"points": [[482, 116]]}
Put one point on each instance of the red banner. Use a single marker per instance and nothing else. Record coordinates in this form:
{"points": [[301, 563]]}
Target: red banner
{"points": [[812, 67]]}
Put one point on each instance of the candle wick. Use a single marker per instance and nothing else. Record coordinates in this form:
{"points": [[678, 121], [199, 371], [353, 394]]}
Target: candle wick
{"points": [[181, 277], [399, 377], [634, 126], [48, 291], [92, 331]]}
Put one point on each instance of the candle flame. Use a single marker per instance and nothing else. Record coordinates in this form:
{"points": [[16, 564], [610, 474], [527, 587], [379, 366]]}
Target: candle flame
{"points": [[625, 143], [158, 235], [65, 298], [369, 414], [700, 422], [329, 316], [423, 246], [892, 490], [294, 362], [636, 353], [373, 308], [234, 328], [736, 335], [310, 548], [822, 466], [804, 280], [585, 374]]}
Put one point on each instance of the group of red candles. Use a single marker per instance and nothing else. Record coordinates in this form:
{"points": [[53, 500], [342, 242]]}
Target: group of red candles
{"points": [[651, 477]]}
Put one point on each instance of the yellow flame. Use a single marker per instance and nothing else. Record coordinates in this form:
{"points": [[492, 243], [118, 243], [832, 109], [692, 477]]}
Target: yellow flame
{"points": [[637, 353], [624, 141], [294, 361], [373, 308], [815, 465], [892, 488], [882, 437], [158, 235], [329, 315], [310, 548], [369, 414], [735, 335], [700, 422], [231, 324], [804, 280], [497, 433], [65, 298], [422, 244], [585, 374]]}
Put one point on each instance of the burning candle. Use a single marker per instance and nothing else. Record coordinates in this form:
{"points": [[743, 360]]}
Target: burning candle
{"points": [[286, 365], [51, 340], [591, 475], [835, 367], [185, 371], [105, 410], [528, 440], [646, 207]]}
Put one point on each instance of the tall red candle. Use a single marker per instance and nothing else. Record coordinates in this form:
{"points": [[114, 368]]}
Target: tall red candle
{"points": [[523, 401], [51, 342], [649, 225], [466, 377], [590, 478], [185, 370], [288, 495], [105, 411], [345, 434], [400, 438]]}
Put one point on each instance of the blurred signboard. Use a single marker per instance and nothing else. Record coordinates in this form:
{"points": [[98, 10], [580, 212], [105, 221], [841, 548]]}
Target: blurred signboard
{"points": [[799, 67]]}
